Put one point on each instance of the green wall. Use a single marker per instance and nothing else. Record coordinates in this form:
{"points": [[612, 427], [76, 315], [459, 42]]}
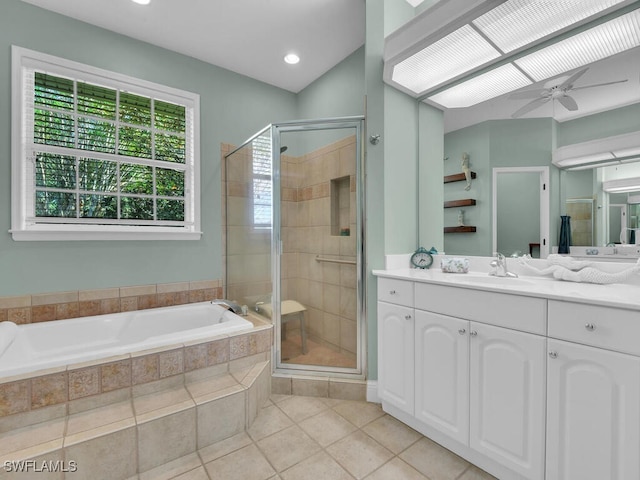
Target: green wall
{"points": [[600, 125], [233, 107], [339, 92]]}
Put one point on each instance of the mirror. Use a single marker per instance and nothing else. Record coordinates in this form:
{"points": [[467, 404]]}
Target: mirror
{"points": [[493, 139], [614, 215]]}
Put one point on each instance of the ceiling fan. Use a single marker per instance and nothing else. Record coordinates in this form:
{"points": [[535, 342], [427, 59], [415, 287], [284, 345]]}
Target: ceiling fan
{"points": [[556, 89]]}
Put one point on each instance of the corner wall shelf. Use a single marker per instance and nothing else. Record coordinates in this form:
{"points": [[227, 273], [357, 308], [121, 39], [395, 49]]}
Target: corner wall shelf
{"points": [[463, 229], [467, 202], [458, 177]]}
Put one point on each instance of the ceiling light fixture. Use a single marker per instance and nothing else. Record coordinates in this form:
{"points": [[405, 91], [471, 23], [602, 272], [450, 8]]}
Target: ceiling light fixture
{"points": [[291, 58], [142, 2], [595, 153], [605, 40], [455, 40], [492, 84], [622, 185]]}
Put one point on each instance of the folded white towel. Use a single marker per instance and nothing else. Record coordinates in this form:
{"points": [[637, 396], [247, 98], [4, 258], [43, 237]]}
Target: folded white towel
{"points": [[8, 333]]}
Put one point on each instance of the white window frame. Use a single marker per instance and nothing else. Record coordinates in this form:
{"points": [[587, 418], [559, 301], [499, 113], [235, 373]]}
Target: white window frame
{"points": [[22, 228]]}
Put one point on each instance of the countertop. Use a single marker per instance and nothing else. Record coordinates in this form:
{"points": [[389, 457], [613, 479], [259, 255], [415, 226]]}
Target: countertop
{"points": [[618, 295]]}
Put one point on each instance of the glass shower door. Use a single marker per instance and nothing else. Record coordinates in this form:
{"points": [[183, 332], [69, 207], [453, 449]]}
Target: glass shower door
{"points": [[248, 223], [320, 253]]}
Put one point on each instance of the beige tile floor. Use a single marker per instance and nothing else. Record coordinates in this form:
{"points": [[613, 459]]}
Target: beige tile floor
{"points": [[300, 438]]}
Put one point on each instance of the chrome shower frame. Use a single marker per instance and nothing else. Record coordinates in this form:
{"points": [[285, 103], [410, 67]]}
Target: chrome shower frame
{"points": [[357, 124]]}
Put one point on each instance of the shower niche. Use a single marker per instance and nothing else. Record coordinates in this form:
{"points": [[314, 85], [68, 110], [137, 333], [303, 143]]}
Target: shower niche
{"points": [[341, 206], [294, 254]]}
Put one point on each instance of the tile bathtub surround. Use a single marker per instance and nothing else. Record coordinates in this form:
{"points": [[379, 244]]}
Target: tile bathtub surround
{"points": [[45, 307], [164, 422], [30, 392]]}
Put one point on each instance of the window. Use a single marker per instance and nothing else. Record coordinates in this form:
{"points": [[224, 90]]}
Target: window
{"points": [[261, 185], [98, 155]]}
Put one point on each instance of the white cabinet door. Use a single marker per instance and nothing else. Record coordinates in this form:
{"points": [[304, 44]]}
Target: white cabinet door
{"points": [[507, 398], [593, 418], [442, 373], [395, 355]]}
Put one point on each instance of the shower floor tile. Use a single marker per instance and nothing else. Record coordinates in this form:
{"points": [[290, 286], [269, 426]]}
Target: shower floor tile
{"points": [[339, 440], [317, 354]]}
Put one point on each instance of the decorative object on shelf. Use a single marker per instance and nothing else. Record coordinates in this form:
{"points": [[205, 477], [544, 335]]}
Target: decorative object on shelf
{"points": [[571, 270], [422, 258], [565, 234], [466, 202], [463, 229], [466, 170], [455, 265], [461, 218], [458, 177]]}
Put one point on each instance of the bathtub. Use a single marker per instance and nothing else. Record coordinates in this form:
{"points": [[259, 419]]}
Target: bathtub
{"points": [[31, 347]]}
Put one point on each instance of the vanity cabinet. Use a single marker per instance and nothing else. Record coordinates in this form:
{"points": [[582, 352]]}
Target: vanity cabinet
{"points": [[593, 413], [395, 351], [507, 397], [525, 387], [483, 386], [442, 374]]}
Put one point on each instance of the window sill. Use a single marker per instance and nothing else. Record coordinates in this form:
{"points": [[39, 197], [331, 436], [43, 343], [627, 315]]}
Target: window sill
{"points": [[51, 234]]}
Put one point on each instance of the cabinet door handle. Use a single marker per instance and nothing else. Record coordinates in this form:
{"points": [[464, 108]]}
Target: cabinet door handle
{"points": [[407, 317], [553, 354], [462, 331], [590, 326], [392, 292], [473, 333]]}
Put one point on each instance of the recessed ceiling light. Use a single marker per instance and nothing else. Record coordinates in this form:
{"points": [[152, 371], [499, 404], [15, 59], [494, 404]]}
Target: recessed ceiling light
{"points": [[291, 58], [142, 2]]}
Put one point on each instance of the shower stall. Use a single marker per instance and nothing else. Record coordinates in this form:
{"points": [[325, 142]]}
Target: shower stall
{"points": [[294, 241]]}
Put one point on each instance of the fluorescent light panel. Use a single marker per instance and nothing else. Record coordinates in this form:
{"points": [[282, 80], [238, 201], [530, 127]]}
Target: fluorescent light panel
{"points": [[517, 23], [610, 38], [622, 185], [460, 51], [616, 149], [492, 84]]}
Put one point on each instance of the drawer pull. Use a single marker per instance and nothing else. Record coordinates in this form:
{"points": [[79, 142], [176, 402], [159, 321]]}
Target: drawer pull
{"points": [[407, 317], [590, 326], [553, 354], [462, 331], [392, 292], [473, 333]]}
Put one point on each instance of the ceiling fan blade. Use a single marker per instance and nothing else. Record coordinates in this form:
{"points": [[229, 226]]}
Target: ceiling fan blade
{"points": [[568, 102], [598, 84], [538, 92], [571, 80], [538, 102]]}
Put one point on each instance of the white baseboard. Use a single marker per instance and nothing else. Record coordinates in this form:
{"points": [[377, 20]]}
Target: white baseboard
{"points": [[372, 391]]}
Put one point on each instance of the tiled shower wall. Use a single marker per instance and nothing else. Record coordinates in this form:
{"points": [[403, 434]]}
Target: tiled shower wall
{"points": [[309, 231], [43, 307], [327, 290]]}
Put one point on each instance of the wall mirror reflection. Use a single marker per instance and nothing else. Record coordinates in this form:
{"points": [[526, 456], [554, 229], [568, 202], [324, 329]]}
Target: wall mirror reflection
{"points": [[493, 138]]}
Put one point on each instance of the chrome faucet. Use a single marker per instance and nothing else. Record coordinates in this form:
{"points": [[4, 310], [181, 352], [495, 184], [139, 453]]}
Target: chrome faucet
{"points": [[228, 304], [499, 266]]}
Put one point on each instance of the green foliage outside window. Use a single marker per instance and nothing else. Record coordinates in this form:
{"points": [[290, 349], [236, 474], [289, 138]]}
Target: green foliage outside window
{"points": [[128, 129]]}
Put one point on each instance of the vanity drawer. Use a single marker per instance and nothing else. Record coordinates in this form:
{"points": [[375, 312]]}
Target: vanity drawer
{"points": [[605, 327], [527, 314], [395, 291]]}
